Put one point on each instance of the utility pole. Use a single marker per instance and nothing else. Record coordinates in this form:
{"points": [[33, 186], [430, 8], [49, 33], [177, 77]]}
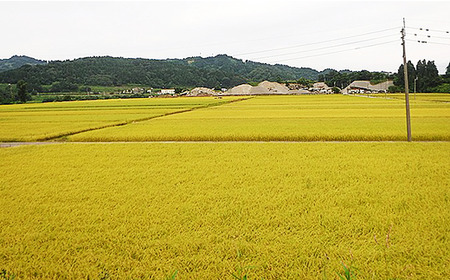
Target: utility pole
{"points": [[405, 70], [415, 87]]}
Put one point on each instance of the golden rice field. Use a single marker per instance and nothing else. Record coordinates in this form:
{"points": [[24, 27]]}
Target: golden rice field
{"points": [[433, 97], [226, 210], [291, 118], [214, 210], [38, 122]]}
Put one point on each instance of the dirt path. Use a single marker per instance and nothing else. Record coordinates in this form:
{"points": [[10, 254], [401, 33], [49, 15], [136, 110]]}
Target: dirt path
{"points": [[15, 144]]}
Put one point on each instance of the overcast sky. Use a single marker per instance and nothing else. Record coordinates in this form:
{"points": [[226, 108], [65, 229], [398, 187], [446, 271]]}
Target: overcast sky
{"points": [[351, 35]]}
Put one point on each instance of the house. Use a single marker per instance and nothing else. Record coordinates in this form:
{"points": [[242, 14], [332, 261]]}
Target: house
{"points": [[167, 91], [133, 91], [137, 90], [367, 87], [321, 87]]}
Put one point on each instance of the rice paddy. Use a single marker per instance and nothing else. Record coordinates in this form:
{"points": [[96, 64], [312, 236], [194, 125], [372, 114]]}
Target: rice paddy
{"points": [[276, 210], [291, 118], [38, 122], [225, 210]]}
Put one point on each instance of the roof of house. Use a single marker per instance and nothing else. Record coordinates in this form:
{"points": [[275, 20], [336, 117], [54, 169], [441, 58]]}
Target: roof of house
{"points": [[320, 85], [368, 86]]}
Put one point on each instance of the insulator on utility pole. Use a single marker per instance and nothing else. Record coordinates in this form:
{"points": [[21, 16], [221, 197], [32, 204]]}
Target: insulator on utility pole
{"points": [[405, 70]]}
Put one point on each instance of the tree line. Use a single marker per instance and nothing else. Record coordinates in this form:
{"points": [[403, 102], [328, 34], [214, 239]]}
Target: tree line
{"points": [[343, 78], [14, 93], [215, 72], [218, 72], [424, 77]]}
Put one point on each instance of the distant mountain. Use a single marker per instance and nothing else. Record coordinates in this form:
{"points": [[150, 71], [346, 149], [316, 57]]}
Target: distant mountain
{"points": [[17, 61], [219, 71]]}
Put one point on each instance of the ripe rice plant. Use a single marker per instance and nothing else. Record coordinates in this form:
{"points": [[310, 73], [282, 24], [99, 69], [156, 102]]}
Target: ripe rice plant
{"points": [[291, 118], [417, 97], [40, 122], [291, 210]]}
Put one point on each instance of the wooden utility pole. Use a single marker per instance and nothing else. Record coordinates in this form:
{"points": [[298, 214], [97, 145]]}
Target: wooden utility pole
{"points": [[405, 70]]}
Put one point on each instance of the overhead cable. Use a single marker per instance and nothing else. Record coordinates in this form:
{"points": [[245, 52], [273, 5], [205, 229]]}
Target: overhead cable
{"points": [[327, 47], [346, 50], [428, 36], [427, 42], [316, 43], [428, 29]]}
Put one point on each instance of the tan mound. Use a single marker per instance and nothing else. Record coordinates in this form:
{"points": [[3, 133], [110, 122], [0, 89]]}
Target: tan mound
{"points": [[259, 90], [240, 89], [274, 88], [262, 88], [201, 91]]}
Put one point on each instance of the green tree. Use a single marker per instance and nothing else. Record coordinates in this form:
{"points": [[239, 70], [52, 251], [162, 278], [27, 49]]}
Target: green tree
{"points": [[427, 76], [363, 75], [335, 90], [305, 82], [5, 97], [444, 88], [433, 78], [64, 86], [400, 79], [446, 76], [22, 91], [394, 89]]}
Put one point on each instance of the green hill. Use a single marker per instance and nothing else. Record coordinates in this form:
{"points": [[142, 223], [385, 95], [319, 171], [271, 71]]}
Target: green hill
{"points": [[219, 71], [250, 70], [17, 61]]}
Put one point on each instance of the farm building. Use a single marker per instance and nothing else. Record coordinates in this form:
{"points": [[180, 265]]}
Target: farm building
{"points": [[167, 91], [320, 87], [366, 87]]}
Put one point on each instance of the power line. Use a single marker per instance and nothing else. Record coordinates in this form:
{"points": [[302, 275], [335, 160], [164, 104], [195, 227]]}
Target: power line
{"points": [[429, 30], [437, 43], [428, 36], [328, 47], [316, 43], [427, 42], [328, 53]]}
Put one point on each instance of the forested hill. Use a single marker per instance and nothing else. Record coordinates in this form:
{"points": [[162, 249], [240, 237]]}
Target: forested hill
{"points": [[218, 71], [250, 70], [17, 61]]}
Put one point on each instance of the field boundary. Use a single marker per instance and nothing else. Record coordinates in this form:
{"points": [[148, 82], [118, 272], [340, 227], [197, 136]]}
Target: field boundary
{"points": [[397, 98], [16, 144]]}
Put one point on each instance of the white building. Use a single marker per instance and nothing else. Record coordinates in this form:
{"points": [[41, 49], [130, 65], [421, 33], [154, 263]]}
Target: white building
{"points": [[168, 91]]}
